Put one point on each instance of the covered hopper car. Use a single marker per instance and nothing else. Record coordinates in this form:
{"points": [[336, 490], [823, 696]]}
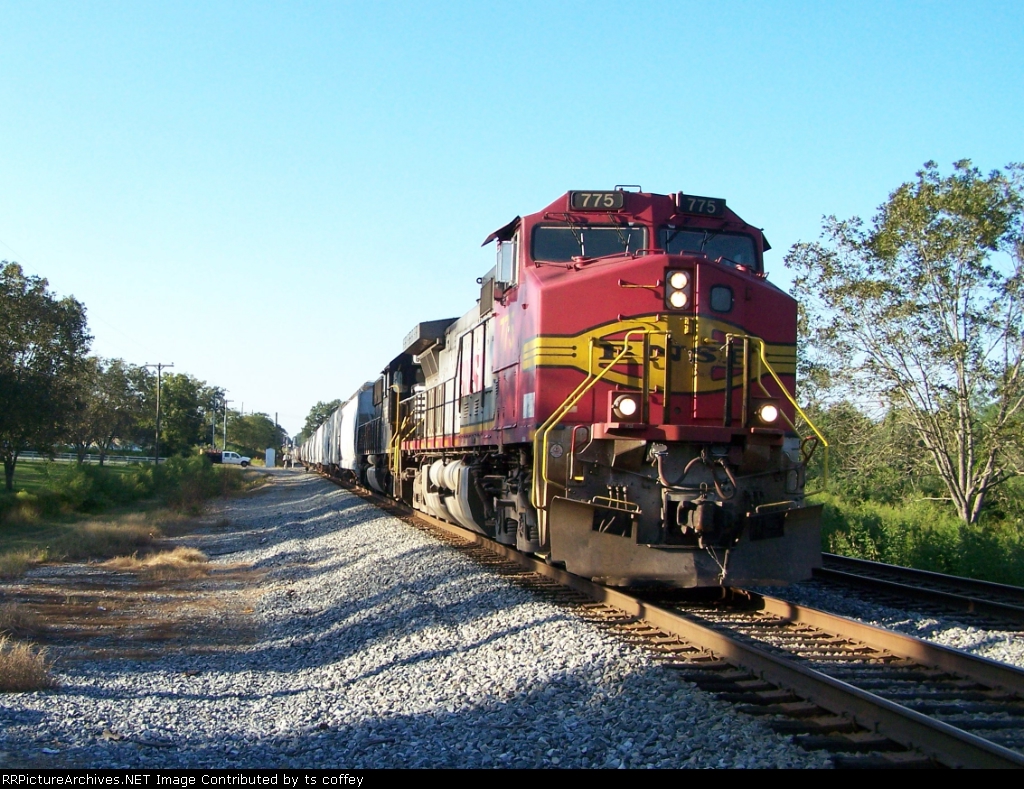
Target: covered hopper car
{"points": [[620, 400]]}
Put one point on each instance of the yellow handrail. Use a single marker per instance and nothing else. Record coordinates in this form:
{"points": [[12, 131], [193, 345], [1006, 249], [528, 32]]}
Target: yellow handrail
{"points": [[764, 360], [401, 431], [540, 439]]}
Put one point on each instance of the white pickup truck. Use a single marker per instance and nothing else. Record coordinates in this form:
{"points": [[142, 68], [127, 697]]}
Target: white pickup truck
{"points": [[229, 458]]}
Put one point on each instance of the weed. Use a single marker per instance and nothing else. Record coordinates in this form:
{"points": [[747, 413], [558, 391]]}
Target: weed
{"points": [[99, 539], [178, 564], [184, 484], [18, 621], [922, 534], [14, 563], [23, 667]]}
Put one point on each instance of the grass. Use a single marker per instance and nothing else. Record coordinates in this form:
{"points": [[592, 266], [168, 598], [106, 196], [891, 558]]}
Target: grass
{"points": [[35, 475], [14, 563], [23, 545], [17, 621], [23, 667], [178, 564], [67, 512], [925, 535]]}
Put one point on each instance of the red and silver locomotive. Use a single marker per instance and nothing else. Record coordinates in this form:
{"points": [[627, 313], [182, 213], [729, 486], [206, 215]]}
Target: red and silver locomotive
{"points": [[620, 400]]}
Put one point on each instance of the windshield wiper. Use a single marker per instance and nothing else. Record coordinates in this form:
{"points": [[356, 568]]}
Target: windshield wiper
{"points": [[708, 235], [624, 238]]}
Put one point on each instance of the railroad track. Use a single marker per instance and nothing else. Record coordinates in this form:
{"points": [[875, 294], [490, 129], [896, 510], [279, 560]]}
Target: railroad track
{"points": [[999, 605], [872, 697]]}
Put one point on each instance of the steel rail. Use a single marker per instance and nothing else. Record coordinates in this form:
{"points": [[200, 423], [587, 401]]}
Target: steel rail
{"points": [[969, 594], [940, 741], [988, 672]]}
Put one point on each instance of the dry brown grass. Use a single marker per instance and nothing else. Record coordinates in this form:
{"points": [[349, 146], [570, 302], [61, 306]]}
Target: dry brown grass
{"points": [[14, 563], [18, 621], [180, 563], [106, 538], [23, 667]]}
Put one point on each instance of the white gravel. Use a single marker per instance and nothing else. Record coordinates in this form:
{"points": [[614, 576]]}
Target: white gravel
{"points": [[380, 648], [1002, 645]]}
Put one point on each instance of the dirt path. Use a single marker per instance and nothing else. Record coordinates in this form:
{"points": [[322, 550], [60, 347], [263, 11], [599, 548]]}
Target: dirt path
{"points": [[86, 611]]}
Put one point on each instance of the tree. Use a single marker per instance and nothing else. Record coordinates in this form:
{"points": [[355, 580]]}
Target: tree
{"points": [[923, 312], [110, 401], [43, 341], [869, 458], [81, 424], [317, 415], [186, 408], [254, 433]]}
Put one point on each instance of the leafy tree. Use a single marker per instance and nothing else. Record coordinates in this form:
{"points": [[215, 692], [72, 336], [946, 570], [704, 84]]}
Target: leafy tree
{"points": [[254, 433], [186, 408], [80, 431], [923, 312], [317, 415], [43, 341], [110, 402], [876, 459]]}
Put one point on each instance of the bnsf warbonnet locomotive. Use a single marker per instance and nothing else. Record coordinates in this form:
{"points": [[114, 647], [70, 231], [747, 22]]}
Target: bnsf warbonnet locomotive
{"points": [[620, 400]]}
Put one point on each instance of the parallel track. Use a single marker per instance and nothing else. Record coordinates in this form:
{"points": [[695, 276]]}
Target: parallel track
{"points": [[842, 685], [998, 602]]}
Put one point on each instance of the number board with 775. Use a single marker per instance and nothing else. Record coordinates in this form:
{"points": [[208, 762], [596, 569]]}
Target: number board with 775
{"points": [[697, 204], [596, 201]]}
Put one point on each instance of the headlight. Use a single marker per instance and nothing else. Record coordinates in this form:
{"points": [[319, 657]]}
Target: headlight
{"points": [[768, 413], [678, 280], [677, 289], [625, 406]]}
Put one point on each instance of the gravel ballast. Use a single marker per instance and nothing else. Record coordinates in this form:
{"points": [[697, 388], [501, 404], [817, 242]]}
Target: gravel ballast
{"points": [[1002, 645], [377, 647]]}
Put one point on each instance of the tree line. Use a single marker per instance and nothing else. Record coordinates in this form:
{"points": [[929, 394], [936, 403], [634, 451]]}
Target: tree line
{"points": [[54, 394]]}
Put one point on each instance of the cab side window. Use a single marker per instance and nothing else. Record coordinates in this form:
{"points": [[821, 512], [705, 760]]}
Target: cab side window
{"points": [[507, 268]]}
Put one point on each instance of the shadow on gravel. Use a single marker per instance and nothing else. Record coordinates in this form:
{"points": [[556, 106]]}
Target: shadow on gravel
{"points": [[646, 718], [406, 672]]}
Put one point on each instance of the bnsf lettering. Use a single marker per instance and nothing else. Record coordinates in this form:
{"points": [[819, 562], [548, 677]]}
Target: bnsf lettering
{"points": [[703, 354]]}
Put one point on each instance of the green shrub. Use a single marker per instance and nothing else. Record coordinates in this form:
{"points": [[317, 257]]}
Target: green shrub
{"points": [[922, 534], [184, 484], [87, 488]]}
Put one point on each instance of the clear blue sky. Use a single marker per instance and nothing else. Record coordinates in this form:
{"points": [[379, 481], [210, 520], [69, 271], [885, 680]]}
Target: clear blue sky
{"points": [[271, 195]]}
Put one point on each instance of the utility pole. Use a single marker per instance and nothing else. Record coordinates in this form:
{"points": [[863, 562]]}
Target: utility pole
{"points": [[224, 444], [156, 444]]}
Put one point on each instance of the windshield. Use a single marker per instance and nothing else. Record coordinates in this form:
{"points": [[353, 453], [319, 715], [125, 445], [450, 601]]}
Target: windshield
{"points": [[561, 243], [734, 247]]}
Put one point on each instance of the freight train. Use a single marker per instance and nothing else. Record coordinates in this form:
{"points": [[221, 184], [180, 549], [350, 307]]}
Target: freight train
{"points": [[620, 400]]}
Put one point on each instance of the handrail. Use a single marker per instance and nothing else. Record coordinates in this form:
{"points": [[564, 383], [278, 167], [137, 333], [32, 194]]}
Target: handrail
{"points": [[396, 454], [764, 360], [401, 430], [540, 439]]}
